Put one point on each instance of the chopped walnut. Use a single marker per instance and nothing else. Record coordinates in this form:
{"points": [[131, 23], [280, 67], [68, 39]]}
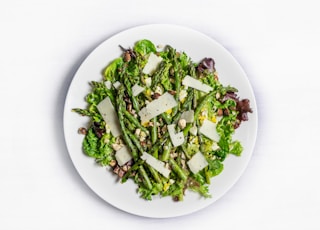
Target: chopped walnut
{"points": [[182, 123]]}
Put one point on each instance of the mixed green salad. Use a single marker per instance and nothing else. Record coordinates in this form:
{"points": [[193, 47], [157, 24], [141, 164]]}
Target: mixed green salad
{"points": [[162, 120]]}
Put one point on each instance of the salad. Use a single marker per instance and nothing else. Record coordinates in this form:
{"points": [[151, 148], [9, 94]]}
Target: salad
{"points": [[162, 120]]}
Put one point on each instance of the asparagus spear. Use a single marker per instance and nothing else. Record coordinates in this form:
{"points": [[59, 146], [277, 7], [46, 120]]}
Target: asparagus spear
{"points": [[145, 178], [177, 169], [166, 152], [134, 101], [134, 121], [154, 131], [125, 132]]}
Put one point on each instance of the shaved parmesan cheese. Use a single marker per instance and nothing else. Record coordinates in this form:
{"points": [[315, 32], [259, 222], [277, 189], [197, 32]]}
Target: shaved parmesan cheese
{"points": [[116, 85], [215, 146], [152, 64], [209, 129], [136, 90], [188, 116], [110, 116], [108, 84], [197, 163], [183, 95], [156, 164], [148, 81], [194, 130], [177, 139], [157, 106], [196, 84], [123, 155]]}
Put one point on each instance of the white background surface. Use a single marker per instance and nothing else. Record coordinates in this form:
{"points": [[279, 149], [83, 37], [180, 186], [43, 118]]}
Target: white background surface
{"points": [[44, 42]]}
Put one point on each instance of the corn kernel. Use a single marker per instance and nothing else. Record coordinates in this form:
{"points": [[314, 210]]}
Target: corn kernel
{"points": [[202, 118], [214, 119], [148, 92], [169, 111], [145, 124], [166, 186], [194, 140]]}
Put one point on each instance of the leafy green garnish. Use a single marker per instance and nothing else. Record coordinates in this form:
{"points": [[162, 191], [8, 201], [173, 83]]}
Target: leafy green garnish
{"points": [[90, 144], [144, 47], [111, 72]]}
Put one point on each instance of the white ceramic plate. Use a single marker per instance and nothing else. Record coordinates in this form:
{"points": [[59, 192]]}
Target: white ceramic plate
{"points": [[102, 181]]}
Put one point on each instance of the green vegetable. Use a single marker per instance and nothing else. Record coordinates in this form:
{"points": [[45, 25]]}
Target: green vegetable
{"points": [[111, 73], [166, 150], [144, 47], [177, 169], [129, 91], [97, 148], [152, 137], [125, 132], [91, 144], [236, 148], [145, 178], [134, 121], [154, 131]]}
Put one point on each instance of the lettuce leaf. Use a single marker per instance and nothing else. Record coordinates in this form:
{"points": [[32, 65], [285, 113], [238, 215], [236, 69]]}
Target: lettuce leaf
{"points": [[236, 148], [90, 144], [98, 148], [111, 71], [144, 47]]}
